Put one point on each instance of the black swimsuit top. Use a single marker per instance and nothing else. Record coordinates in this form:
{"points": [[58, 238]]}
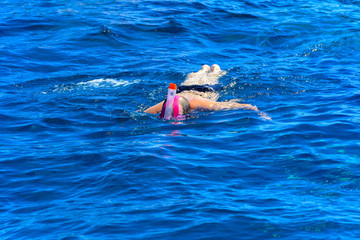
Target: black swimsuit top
{"points": [[198, 88]]}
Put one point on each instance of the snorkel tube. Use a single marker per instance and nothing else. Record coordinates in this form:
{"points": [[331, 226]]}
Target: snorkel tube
{"points": [[170, 100]]}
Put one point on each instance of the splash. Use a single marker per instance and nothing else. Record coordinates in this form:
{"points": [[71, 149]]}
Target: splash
{"points": [[107, 82]]}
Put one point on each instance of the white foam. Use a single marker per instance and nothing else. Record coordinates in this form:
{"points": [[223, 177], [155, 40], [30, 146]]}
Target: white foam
{"points": [[107, 82], [202, 78]]}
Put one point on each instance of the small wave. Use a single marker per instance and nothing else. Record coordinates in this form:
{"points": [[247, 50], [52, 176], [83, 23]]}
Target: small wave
{"points": [[107, 82]]}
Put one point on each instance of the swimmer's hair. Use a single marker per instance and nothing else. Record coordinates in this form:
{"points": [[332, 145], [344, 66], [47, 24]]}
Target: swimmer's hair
{"points": [[185, 105]]}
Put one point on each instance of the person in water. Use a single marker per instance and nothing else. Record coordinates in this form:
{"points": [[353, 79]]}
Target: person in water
{"points": [[197, 92]]}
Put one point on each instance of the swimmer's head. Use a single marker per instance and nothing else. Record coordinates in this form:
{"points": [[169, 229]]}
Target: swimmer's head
{"points": [[184, 106], [181, 107]]}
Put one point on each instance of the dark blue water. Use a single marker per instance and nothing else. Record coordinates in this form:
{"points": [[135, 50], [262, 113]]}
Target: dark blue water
{"points": [[80, 160]]}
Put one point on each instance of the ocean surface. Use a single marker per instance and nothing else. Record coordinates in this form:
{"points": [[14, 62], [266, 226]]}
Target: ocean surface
{"points": [[79, 159]]}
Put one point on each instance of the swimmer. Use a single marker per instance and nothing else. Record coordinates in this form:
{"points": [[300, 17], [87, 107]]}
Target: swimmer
{"points": [[197, 93]]}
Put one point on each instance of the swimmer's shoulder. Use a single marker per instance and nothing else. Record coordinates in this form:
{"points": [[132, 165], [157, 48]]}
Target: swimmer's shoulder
{"points": [[198, 102]]}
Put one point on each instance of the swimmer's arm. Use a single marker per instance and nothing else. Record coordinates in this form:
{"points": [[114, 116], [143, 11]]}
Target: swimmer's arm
{"points": [[234, 105], [207, 104], [155, 109]]}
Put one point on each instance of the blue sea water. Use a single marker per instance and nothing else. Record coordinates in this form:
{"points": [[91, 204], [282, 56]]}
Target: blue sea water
{"points": [[80, 160]]}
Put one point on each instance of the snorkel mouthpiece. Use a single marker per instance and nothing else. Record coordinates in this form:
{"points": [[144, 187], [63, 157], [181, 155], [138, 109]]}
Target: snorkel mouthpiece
{"points": [[170, 100]]}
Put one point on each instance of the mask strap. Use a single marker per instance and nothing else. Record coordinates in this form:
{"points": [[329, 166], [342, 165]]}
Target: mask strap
{"points": [[176, 106], [162, 114]]}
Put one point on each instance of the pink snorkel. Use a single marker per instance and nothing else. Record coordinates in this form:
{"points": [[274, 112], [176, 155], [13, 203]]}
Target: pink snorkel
{"points": [[171, 106]]}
